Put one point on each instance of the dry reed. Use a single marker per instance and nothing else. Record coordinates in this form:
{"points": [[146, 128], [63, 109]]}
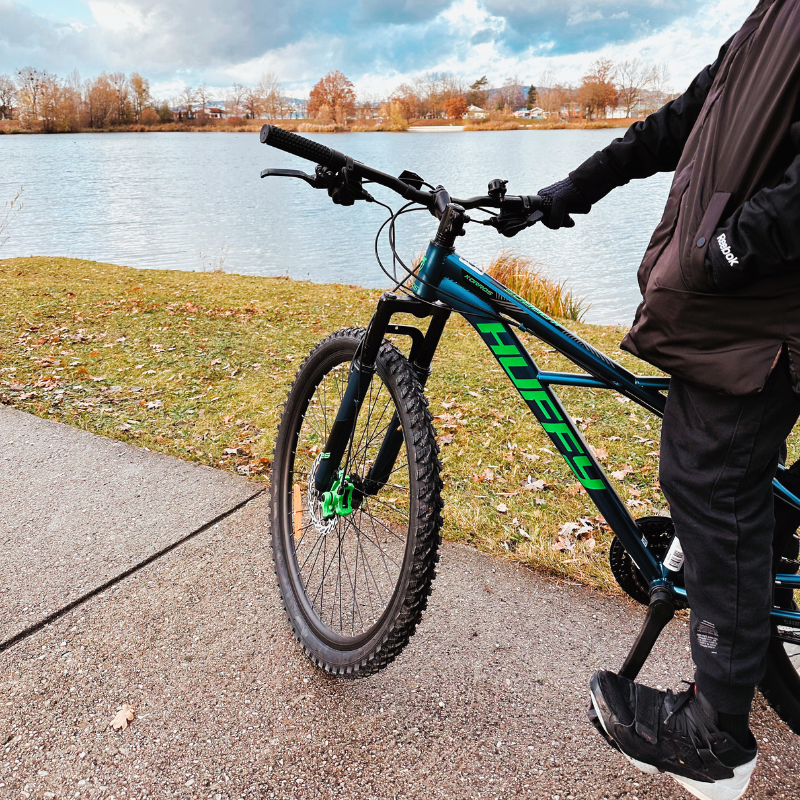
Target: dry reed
{"points": [[526, 278]]}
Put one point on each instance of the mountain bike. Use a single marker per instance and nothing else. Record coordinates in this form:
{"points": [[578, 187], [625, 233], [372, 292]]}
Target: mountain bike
{"points": [[356, 493]]}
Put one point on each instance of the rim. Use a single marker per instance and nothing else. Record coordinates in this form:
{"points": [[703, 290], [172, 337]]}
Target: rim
{"points": [[347, 567], [789, 599]]}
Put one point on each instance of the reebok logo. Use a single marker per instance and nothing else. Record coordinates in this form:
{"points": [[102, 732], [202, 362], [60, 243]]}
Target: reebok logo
{"points": [[725, 249]]}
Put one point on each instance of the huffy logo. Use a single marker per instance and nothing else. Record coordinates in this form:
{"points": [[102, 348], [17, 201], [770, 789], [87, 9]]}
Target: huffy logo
{"points": [[725, 249]]}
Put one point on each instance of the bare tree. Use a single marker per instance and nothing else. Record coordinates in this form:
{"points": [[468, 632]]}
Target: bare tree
{"points": [[633, 78], [269, 88], [203, 93], [511, 95], [658, 82], [8, 93], [141, 93], [119, 82], [549, 95], [234, 99], [188, 98]]}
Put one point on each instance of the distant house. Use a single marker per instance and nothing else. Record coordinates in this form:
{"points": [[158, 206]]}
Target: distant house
{"points": [[474, 112], [537, 113], [215, 112], [522, 113]]}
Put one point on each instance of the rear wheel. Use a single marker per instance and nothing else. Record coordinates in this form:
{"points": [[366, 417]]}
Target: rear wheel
{"points": [[355, 572], [781, 683]]}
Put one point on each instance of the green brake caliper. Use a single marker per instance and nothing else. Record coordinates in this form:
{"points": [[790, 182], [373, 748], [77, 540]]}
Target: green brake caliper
{"points": [[339, 500]]}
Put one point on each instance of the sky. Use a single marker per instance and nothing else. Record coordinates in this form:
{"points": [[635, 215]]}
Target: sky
{"points": [[377, 44]]}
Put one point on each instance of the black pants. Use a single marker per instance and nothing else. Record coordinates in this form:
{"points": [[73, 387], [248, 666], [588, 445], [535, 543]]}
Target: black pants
{"points": [[719, 455]]}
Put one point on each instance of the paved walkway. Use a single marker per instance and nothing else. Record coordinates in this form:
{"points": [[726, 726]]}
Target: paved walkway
{"points": [[488, 700]]}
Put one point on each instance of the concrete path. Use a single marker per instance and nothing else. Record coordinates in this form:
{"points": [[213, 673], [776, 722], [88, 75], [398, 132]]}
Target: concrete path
{"points": [[488, 700], [77, 510]]}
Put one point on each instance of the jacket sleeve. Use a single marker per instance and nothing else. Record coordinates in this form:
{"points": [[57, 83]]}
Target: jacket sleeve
{"points": [[762, 237], [653, 145]]}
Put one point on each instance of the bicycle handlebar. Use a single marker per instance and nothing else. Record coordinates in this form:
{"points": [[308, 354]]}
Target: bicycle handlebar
{"points": [[333, 160]]}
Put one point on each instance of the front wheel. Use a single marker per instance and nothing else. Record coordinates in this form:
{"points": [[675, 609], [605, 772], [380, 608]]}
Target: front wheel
{"points": [[355, 572]]}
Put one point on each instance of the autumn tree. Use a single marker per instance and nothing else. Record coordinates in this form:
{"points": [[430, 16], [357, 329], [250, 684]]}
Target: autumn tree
{"points": [[406, 98], [252, 102], [8, 93], [336, 92], [456, 107], [165, 113], [30, 85], [140, 88], [598, 90], [100, 101]]}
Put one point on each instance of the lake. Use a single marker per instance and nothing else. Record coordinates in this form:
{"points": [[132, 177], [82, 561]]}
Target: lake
{"points": [[195, 200]]}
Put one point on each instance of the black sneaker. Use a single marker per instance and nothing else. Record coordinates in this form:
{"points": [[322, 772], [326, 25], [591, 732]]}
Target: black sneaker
{"points": [[673, 733]]}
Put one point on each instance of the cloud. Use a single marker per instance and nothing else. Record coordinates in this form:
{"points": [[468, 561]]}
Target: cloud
{"points": [[376, 43], [571, 26]]}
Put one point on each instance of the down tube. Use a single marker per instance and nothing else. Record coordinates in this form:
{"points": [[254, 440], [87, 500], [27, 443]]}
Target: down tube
{"points": [[547, 408]]}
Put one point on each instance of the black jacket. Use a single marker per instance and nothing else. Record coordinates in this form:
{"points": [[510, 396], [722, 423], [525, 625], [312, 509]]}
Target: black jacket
{"points": [[720, 279], [762, 236]]}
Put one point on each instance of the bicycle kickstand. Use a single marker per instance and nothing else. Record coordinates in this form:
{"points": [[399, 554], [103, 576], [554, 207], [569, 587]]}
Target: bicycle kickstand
{"points": [[659, 612]]}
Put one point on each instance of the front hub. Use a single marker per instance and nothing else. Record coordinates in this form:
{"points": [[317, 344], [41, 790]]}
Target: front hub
{"points": [[339, 500]]}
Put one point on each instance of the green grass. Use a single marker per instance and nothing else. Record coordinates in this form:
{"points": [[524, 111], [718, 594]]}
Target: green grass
{"points": [[196, 365]]}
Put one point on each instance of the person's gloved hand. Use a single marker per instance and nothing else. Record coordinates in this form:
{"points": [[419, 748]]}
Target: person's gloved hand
{"points": [[560, 200]]}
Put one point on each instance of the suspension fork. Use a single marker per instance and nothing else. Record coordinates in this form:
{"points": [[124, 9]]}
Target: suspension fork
{"points": [[359, 380]]}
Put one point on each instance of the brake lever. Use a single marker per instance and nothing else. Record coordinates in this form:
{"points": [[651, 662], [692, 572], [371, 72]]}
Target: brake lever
{"points": [[512, 226], [311, 180]]}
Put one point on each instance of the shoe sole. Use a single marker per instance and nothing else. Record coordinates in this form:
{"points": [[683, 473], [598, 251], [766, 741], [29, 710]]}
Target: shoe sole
{"points": [[726, 789]]}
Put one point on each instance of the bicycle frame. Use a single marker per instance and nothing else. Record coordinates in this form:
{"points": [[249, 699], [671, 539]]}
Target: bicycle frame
{"points": [[446, 282]]}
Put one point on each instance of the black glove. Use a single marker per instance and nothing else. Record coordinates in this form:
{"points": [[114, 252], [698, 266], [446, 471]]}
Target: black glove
{"points": [[723, 268], [560, 200]]}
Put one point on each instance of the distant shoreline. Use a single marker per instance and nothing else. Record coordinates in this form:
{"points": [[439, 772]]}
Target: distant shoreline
{"points": [[418, 126]]}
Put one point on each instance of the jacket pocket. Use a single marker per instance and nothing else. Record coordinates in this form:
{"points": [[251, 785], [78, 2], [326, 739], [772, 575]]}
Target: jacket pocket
{"points": [[695, 276]]}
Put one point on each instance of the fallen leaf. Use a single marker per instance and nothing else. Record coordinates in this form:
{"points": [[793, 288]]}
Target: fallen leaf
{"points": [[634, 492], [474, 394], [530, 456], [621, 474], [502, 508], [531, 484], [563, 543], [123, 716], [655, 453], [445, 439], [449, 405], [487, 475], [600, 453]]}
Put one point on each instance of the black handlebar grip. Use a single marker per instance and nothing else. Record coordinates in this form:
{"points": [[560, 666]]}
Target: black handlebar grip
{"points": [[304, 148]]}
